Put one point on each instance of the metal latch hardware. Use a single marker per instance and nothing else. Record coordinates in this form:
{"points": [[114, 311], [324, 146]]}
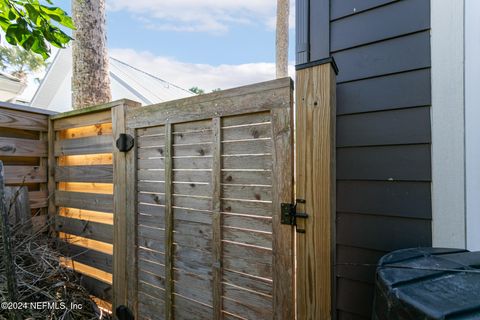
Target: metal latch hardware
{"points": [[290, 214], [125, 142]]}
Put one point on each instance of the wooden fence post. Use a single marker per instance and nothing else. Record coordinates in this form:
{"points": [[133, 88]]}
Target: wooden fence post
{"points": [[120, 204], [315, 183]]}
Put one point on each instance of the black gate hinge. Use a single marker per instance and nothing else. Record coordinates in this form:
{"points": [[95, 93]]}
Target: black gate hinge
{"points": [[290, 214], [125, 142]]}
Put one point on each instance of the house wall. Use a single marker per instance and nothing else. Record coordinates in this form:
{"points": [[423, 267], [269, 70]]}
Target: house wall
{"points": [[382, 49], [472, 118]]}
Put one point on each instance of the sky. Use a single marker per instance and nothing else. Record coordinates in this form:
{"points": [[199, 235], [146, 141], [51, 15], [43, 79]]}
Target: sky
{"points": [[205, 43]]}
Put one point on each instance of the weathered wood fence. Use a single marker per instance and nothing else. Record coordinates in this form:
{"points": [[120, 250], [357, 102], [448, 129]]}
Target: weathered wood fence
{"points": [[24, 152], [81, 179], [189, 220]]}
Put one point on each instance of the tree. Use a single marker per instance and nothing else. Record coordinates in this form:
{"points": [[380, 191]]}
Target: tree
{"points": [[19, 62], [281, 43], [31, 25], [197, 90], [90, 79]]}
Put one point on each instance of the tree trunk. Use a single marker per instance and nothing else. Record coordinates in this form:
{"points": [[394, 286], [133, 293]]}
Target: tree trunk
{"points": [[90, 78], [283, 8]]}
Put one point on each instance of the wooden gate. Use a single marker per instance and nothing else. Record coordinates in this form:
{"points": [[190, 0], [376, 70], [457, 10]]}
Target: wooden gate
{"points": [[200, 223]]}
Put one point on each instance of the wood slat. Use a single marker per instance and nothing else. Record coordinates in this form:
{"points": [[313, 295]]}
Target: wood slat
{"points": [[192, 176], [192, 126], [86, 160], [247, 177], [38, 199], [151, 175], [263, 286], [82, 146], [88, 187], [192, 202], [87, 201], [247, 192], [19, 133], [256, 147], [87, 270], [149, 255], [246, 119], [247, 207], [86, 229], [204, 149], [151, 141], [255, 302], [87, 131], [247, 222], [23, 120], [86, 215], [151, 290], [247, 132], [154, 269], [193, 261], [260, 239], [83, 120], [93, 173], [203, 136], [158, 130], [189, 215], [263, 162], [149, 307], [25, 174], [89, 257], [87, 243], [22, 147]]}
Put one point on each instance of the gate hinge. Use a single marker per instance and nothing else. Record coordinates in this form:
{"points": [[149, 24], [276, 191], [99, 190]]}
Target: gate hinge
{"points": [[125, 142], [290, 214]]}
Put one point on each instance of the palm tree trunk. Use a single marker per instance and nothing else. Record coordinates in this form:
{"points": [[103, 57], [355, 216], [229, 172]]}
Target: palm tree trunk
{"points": [[283, 8], [90, 78]]}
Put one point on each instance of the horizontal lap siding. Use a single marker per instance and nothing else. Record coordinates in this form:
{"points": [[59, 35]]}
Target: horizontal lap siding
{"points": [[382, 49]]}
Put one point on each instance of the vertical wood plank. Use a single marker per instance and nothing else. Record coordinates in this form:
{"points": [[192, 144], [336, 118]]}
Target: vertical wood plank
{"points": [[120, 212], [131, 226], [216, 219], [315, 182], [168, 224], [52, 185], [44, 166], [283, 245]]}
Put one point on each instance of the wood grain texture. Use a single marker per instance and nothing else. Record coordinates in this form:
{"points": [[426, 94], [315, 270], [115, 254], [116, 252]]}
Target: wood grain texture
{"points": [[22, 147], [25, 174], [253, 98], [168, 224], [283, 257], [81, 146], [316, 184], [217, 219], [83, 200], [93, 173], [16, 119]]}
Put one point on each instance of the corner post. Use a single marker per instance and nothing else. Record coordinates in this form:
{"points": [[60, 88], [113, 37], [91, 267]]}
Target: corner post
{"points": [[315, 183]]}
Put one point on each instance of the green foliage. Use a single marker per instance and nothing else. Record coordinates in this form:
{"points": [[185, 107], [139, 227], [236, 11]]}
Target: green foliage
{"points": [[217, 89], [30, 24], [19, 61], [197, 90]]}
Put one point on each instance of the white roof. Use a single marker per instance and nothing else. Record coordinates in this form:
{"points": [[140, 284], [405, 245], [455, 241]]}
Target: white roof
{"points": [[54, 92]]}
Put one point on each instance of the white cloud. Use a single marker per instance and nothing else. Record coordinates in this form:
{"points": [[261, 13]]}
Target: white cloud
{"points": [[205, 76], [200, 16]]}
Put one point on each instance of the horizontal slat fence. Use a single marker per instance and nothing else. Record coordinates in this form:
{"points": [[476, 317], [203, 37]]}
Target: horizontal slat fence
{"points": [[205, 183], [23, 150], [81, 154]]}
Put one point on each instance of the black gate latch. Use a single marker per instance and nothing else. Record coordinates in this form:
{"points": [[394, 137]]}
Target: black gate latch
{"points": [[125, 142], [290, 214]]}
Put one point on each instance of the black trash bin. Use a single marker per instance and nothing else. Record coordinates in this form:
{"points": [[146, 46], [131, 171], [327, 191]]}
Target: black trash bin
{"points": [[428, 283]]}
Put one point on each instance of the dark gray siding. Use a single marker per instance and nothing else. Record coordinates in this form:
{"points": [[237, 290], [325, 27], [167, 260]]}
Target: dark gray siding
{"points": [[382, 50]]}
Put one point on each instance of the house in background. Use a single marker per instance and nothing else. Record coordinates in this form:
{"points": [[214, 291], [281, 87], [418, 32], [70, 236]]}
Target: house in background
{"points": [[408, 134], [10, 87], [54, 92]]}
